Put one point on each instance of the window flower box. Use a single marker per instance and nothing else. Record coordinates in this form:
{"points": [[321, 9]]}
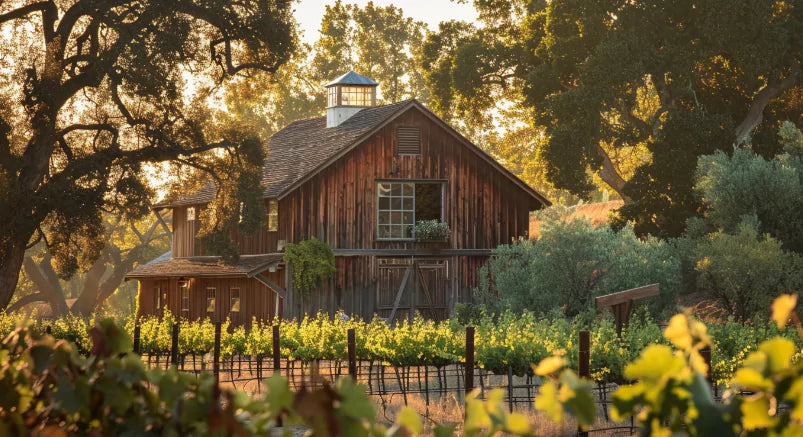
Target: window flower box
{"points": [[432, 231]]}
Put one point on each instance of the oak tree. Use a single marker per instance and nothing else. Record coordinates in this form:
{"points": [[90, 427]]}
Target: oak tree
{"points": [[94, 91], [634, 92]]}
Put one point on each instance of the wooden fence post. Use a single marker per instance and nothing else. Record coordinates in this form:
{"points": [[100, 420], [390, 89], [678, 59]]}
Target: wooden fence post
{"points": [[216, 355], [174, 346], [469, 359], [706, 354], [136, 339], [277, 352], [509, 387], [352, 350], [584, 366]]}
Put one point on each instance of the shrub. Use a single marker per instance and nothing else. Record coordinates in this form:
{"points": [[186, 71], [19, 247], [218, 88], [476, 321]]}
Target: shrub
{"points": [[432, 230], [746, 184], [312, 261], [573, 262], [745, 271]]}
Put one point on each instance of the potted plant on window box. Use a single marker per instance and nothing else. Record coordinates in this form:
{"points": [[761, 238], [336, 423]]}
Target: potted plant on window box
{"points": [[432, 233]]}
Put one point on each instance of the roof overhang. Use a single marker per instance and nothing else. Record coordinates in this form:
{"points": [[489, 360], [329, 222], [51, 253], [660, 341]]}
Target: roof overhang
{"points": [[247, 266]]}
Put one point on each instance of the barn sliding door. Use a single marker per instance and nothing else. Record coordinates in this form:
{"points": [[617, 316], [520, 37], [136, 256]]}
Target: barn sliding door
{"points": [[406, 285]]}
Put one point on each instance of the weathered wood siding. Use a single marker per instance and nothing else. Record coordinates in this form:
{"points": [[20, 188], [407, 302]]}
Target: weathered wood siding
{"points": [[482, 206], [256, 299], [338, 205]]}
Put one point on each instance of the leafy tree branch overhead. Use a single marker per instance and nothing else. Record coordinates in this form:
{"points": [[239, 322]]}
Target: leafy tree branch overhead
{"points": [[92, 91], [630, 92]]}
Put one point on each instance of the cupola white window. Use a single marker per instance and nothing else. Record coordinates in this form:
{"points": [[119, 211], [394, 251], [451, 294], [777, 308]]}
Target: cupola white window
{"points": [[348, 95]]}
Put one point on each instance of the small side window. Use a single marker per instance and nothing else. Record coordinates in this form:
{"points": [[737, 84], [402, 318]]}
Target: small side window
{"points": [[191, 213], [273, 215], [184, 286], [210, 302], [235, 300]]}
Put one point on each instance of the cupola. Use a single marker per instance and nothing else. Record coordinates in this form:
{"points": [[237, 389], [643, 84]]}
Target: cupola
{"points": [[347, 95]]}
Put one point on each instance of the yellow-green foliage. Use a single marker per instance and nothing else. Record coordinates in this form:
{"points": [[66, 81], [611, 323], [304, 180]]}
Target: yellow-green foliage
{"points": [[510, 340]]}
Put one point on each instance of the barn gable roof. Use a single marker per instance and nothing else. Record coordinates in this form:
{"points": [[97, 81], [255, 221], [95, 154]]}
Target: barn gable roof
{"points": [[305, 147]]}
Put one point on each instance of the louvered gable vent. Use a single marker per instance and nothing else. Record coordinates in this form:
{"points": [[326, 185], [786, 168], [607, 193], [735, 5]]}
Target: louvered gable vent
{"points": [[408, 140]]}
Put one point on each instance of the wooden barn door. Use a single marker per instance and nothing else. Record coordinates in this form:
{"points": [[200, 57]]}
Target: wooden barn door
{"points": [[406, 285]]}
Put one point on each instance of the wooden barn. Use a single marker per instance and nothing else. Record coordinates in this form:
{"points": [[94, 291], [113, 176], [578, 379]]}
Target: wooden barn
{"points": [[359, 178]]}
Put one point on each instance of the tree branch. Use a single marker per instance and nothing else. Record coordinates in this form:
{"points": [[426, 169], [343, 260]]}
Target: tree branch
{"points": [[610, 175], [231, 69], [44, 281], [754, 115], [26, 300], [49, 15]]}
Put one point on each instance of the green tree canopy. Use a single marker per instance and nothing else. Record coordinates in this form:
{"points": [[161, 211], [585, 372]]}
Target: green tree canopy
{"points": [[747, 185], [377, 41], [93, 91], [631, 92]]}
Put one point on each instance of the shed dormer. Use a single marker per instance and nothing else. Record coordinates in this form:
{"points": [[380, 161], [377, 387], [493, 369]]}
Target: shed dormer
{"points": [[347, 95]]}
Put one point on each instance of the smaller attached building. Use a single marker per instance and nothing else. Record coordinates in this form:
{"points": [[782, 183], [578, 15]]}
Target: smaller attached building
{"points": [[204, 287]]}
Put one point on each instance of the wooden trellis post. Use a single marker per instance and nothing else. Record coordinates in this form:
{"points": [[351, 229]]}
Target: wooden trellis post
{"points": [[469, 359], [136, 339], [584, 365], [174, 346], [216, 355], [277, 353], [352, 353]]}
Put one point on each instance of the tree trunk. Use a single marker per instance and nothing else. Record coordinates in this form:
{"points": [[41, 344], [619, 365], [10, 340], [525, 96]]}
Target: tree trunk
{"points": [[10, 267], [47, 284], [610, 175], [88, 299]]}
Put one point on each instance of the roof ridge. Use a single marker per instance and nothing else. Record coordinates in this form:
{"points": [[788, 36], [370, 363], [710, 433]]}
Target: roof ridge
{"points": [[369, 108], [305, 146]]}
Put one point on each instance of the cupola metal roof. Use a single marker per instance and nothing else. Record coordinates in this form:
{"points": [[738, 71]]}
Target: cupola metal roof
{"points": [[352, 78]]}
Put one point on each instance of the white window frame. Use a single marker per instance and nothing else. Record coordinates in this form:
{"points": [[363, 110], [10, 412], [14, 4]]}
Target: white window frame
{"points": [[331, 97], [190, 213], [355, 95], [378, 210]]}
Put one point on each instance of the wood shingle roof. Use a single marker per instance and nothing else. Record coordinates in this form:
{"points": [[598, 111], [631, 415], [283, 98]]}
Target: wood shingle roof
{"points": [[205, 266], [302, 147]]}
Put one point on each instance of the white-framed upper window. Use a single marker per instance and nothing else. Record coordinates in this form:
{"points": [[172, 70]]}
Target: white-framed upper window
{"points": [[401, 204], [395, 210], [235, 299], [273, 215], [190, 213]]}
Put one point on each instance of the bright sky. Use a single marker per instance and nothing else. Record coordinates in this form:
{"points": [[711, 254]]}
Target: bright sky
{"points": [[431, 12]]}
